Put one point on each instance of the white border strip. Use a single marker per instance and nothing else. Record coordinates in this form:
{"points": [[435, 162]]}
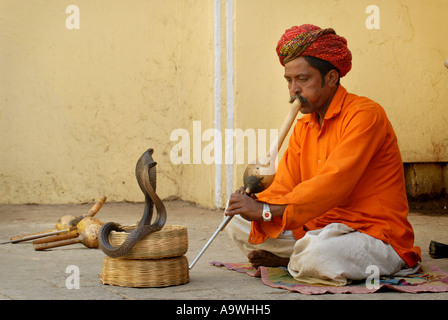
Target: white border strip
{"points": [[217, 102], [230, 95]]}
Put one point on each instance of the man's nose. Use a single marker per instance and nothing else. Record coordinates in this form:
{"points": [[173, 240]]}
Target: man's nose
{"points": [[295, 88]]}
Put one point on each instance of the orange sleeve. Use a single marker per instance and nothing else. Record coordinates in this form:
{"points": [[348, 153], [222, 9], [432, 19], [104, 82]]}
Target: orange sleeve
{"points": [[362, 134]]}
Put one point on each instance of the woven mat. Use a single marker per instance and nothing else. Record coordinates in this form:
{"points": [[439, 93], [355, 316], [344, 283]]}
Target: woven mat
{"points": [[428, 279]]}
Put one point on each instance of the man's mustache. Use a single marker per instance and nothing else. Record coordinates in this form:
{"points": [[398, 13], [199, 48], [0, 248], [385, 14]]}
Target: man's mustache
{"points": [[301, 99]]}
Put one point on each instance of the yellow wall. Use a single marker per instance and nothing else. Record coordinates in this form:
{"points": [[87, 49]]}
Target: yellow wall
{"points": [[78, 107]]}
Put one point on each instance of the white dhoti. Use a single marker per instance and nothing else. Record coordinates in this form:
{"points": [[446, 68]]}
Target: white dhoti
{"points": [[333, 255]]}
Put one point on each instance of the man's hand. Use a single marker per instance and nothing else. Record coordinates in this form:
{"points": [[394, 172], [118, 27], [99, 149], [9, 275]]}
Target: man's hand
{"points": [[244, 205]]}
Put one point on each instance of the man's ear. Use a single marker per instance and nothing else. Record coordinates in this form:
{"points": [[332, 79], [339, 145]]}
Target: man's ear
{"points": [[332, 78]]}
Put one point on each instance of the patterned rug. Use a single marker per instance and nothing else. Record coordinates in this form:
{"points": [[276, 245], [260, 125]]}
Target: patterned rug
{"points": [[428, 279]]}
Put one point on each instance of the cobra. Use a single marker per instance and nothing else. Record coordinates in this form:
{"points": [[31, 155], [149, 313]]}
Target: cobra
{"points": [[145, 172]]}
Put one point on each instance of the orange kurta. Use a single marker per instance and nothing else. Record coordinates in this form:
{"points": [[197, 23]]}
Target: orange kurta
{"points": [[349, 171]]}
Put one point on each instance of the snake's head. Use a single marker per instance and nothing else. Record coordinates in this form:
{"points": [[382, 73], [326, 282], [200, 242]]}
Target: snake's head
{"points": [[145, 162], [149, 160], [152, 164]]}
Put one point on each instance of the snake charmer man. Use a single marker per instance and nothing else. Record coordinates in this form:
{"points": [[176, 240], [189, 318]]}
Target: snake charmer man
{"points": [[338, 202]]}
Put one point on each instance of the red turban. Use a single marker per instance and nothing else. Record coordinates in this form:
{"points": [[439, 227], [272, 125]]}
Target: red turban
{"points": [[310, 40]]}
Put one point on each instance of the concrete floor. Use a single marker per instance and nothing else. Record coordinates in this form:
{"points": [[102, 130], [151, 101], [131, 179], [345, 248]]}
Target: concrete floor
{"points": [[26, 274]]}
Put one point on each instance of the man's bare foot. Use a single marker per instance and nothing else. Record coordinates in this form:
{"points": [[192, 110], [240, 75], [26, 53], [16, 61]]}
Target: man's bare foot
{"points": [[266, 259]]}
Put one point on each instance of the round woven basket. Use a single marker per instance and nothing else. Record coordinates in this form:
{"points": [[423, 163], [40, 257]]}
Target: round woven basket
{"points": [[171, 241], [145, 273]]}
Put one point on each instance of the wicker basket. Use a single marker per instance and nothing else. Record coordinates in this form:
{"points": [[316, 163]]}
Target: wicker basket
{"points": [[145, 273], [157, 260], [171, 241]]}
